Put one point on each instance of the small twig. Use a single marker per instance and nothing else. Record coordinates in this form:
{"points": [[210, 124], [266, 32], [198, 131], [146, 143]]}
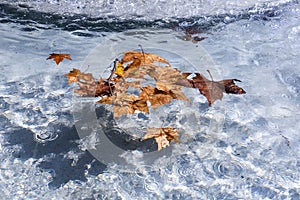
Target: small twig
{"points": [[142, 51], [286, 139], [163, 122], [113, 69], [111, 74], [141, 48]]}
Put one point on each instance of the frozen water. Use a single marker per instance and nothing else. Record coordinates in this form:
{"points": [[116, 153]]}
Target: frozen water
{"points": [[245, 147], [149, 10]]}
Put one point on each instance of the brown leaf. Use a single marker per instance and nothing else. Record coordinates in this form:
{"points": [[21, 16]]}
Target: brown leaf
{"points": [[138, 59], [58, 57], [138, 71], [162, 136], [231, 87], [88, 86], [140, 105], [130, 108], [155, 96], [124, 103], [212, 90], [145, 58], [166, 80], [193, 34], [73, 75]]}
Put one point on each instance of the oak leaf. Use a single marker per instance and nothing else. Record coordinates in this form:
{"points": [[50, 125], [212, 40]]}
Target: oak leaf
{"points": [[58, 57], [162, 136]]}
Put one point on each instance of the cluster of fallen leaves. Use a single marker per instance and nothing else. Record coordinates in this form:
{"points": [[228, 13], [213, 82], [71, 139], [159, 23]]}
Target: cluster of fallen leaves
{"points": [[127, 75]]}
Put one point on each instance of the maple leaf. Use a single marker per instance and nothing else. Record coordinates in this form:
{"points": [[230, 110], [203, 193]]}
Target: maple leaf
{"points": [[166, 80], [155, 96], [124, 103], [130, 107], [88, 86], [73, 76], [162, 136], [137, 59], [58, 57], [212, 90], [144, 58]]}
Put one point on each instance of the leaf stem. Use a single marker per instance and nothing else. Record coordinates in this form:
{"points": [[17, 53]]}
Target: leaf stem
{"points": [[142, 50], [210, 75], [111, 74]]}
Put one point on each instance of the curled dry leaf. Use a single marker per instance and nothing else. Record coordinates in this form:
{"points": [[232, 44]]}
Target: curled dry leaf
{"points": [[58, 57], [155, 96], [88, 86], [162, 136], [212, 90], [141, 58], [73, 76], [125, 103], [166, 80], [135, 59]]}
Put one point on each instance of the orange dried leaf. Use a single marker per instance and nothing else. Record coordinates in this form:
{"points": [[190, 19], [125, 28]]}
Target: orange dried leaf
{"points": [[137, 59], [144, 58], [73, 75], [162, 136], [155, 96], [58, 57], [88, 86], [124, 103], [166, 80]]}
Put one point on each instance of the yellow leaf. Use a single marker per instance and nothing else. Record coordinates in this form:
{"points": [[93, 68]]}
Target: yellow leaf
{"points": [[119, 69]]}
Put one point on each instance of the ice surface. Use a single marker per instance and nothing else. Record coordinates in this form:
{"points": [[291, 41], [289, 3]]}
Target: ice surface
{"points": [[149, 10], [245, 147]]}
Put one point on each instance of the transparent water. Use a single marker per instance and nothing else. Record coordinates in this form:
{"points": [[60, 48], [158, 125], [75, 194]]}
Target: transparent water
{"points": [[245, 147]]}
